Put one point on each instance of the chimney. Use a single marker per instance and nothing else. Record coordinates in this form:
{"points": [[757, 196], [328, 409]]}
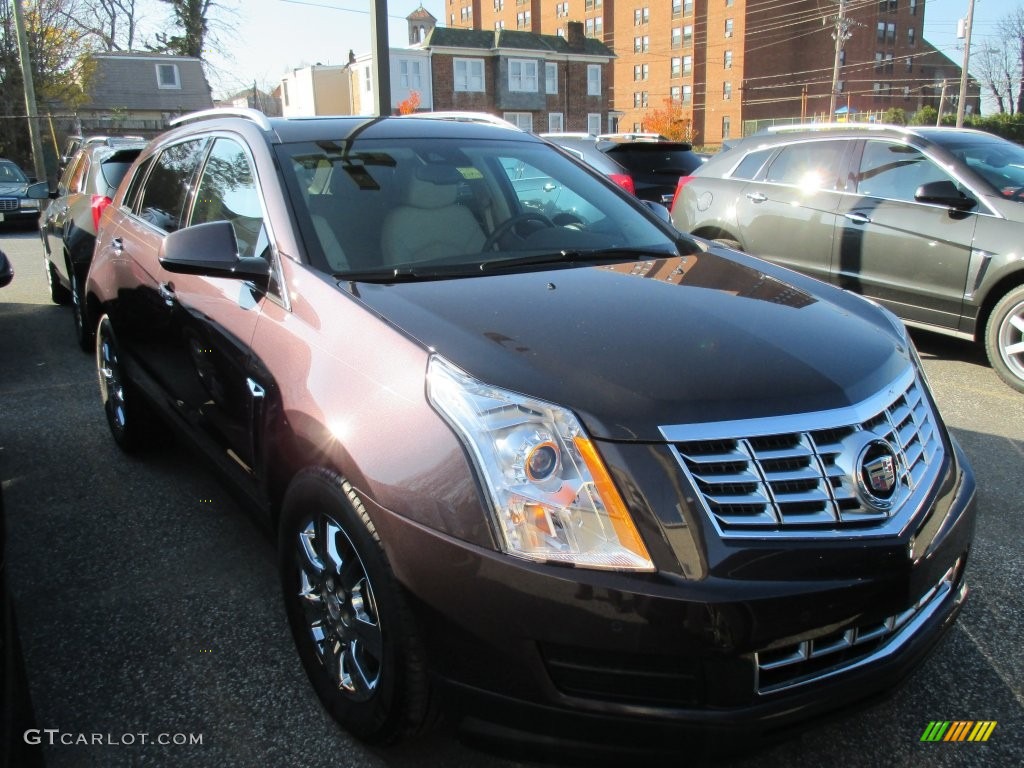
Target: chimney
{"points": [[575, 38]]}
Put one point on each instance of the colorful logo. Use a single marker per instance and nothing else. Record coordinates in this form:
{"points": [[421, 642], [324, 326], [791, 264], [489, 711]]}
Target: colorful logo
{"points": [[958, 730]]}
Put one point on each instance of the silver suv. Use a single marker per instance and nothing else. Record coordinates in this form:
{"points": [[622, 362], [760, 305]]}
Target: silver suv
{"points": [[927, 222]]}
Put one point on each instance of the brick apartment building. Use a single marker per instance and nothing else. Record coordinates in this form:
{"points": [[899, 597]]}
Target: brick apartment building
{"points": [[539, 82], [725, 62]]}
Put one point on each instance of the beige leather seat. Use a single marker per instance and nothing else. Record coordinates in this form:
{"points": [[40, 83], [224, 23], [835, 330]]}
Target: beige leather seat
{"points": [[430, 224]]}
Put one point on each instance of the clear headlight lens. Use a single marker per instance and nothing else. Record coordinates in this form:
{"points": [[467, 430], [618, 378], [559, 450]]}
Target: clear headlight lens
{"points": [[29, 203], [550, 492]]}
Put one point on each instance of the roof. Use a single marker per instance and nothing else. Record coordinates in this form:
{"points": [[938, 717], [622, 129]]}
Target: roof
{"points": [[129, 81], [491, 40], [421, 14]]}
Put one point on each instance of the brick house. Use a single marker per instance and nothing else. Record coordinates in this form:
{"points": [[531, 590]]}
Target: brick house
{"points": [[539, 82]]}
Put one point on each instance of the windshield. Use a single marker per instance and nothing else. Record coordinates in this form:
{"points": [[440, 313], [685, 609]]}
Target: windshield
{"points": [[999, 162], [442, 207], [10, 173]]}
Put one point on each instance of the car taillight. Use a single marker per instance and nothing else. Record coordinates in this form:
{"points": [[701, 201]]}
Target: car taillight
{"points": [[623, 180], [683, 181], [98, 205]]}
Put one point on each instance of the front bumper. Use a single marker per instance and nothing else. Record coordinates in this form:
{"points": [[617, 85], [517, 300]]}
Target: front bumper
{"points": [[621, 660]]}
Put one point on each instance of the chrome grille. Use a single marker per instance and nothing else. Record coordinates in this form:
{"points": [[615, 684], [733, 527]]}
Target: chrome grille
{"points": [[800, 474], [8, 203], [799, 663]]}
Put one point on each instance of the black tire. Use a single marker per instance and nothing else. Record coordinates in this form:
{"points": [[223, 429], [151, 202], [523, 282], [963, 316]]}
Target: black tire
{"points": [[1004, 338], [128, 415], [353, 630], [85, 334], [728, 243], [58, 293]]}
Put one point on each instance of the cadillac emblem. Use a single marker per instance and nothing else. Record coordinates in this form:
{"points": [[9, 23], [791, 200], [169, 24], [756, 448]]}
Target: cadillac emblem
{"points": [[878, 474]]}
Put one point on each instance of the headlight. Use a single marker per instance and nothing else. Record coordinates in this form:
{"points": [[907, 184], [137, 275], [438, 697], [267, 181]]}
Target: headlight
{"points": [[29, 203], [550, 493]]}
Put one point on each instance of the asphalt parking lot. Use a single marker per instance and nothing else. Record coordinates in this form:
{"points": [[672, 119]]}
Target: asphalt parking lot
{"points": [[149, 603]]}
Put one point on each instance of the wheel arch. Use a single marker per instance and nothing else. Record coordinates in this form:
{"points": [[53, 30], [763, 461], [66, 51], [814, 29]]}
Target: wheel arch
{"points": [[1004, 285]]}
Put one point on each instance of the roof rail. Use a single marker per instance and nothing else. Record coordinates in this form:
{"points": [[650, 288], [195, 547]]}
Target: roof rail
{"points": [[834, 127], [209, 114]]}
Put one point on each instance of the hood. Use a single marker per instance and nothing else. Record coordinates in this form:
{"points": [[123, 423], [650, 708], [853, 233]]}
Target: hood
{"points": [[16, 188], [631, 347]]}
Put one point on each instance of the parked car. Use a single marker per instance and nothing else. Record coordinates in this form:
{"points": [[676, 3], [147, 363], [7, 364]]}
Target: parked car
{"points": [[69, 224], [926, 221], [541, 455], [76, 141], [583, 147], [19, 194], [653, 165]]}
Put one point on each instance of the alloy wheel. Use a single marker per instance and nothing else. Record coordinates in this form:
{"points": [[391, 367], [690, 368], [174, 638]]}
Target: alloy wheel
{"points": [[1011, 339], [108, 367]]}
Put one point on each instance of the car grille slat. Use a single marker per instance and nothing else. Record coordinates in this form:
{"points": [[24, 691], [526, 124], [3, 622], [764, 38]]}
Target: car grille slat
{"points": [[757, 479], [8, 203]]}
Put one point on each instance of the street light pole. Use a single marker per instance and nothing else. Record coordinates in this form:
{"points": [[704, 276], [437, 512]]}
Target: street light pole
{"points": [[962, 106], [30, 93]]}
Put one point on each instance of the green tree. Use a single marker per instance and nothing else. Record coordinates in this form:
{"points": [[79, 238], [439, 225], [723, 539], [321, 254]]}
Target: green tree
{"points": [[925, 116], [895, 116]]}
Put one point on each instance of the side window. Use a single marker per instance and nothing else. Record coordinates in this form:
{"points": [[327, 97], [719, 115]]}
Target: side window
{"points": [[895, 171], [809, 165], [751, 164], [132, 193], [72, 175], [227, 192], [167, 188]]}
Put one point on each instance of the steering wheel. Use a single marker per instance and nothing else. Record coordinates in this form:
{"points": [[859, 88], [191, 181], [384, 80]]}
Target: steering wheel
{"points": [[509, 224]]}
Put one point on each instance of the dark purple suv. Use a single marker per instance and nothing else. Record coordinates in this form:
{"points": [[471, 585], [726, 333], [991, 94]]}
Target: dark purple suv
{"points": [[522, 443]]}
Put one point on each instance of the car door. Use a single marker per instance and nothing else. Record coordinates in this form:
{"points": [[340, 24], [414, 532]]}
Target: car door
{"points": [[58, 213], [910, 256], [787, 213]]}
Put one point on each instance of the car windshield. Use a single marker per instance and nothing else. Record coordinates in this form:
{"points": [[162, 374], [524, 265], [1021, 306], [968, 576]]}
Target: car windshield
{"points": [[11, 173], [999, 162], [435, 207]]}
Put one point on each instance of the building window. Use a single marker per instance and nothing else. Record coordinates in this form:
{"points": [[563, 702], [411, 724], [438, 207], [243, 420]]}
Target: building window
{"points": [[889, 66], [367, 79], [466, 13], [726, 127], [594, 79], [726, 91], [594, 123], [877, 88], [906, 91], [878, 61], [562, 10], [880, 32], [687, 65], [728, 3], [910, 37], [499, 4], [688, 35], [728, 27], [677, 37], [677, 66], [641, 71], [913, 7], [910, 63], [727, 60], [523, 20], [641, 16], [521, 120], [840, 85], [522, 75], [639, 99], [560, 32], [677, 8], [500, 24], [641, 44], [284, 91], [555, 122], [687, 7], [591, 4], [675, 93], [551, 77], [469, 74], [594, 27], [167, 76], [687, 94], [890, 33]]}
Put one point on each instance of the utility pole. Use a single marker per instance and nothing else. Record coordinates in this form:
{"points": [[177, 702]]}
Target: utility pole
{"points": [[381, 57], [962, 106], [30, 94], [942, 101], [841, 34]]}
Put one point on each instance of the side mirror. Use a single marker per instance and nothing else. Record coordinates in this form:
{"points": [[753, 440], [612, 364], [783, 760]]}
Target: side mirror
{"points": [[38, 191], [660, 210], [210, 250], [944, 193]]}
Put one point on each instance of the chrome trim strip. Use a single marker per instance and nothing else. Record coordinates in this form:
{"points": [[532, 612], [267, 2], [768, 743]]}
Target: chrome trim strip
{"points": [[976, 270]]}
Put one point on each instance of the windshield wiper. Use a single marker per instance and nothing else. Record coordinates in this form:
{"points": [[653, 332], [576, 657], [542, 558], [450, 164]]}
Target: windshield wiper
{"points": [[575, 256]]}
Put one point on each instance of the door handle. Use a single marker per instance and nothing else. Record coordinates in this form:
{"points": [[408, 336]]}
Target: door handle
{"points": [[857, 218], [117, 244], [756, 197], [166, 291], [550, 187]]}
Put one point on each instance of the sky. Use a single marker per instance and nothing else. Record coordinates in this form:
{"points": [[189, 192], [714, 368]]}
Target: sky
{"points": [[273, 36]]}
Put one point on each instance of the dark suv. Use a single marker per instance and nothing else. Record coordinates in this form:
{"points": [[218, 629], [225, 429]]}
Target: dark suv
{"points": [[537, 452], [926, 221], [68, 226]]}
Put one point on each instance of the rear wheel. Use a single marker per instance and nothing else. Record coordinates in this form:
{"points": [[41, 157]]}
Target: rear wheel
{"points": [[127, 414], [1004, 338], [58, 293], [348, 616]]}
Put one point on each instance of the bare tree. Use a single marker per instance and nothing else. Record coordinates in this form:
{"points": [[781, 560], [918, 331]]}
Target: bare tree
{"points": [[112, 24], [1011, 30], [997, 68], [193, 20]]}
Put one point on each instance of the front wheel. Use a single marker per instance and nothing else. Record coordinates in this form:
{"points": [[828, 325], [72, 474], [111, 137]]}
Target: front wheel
{"points": [[352, 628], [1004, 338]]}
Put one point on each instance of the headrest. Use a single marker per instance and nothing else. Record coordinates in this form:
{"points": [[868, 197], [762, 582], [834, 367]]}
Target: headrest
{"points": [[434, 186]]}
